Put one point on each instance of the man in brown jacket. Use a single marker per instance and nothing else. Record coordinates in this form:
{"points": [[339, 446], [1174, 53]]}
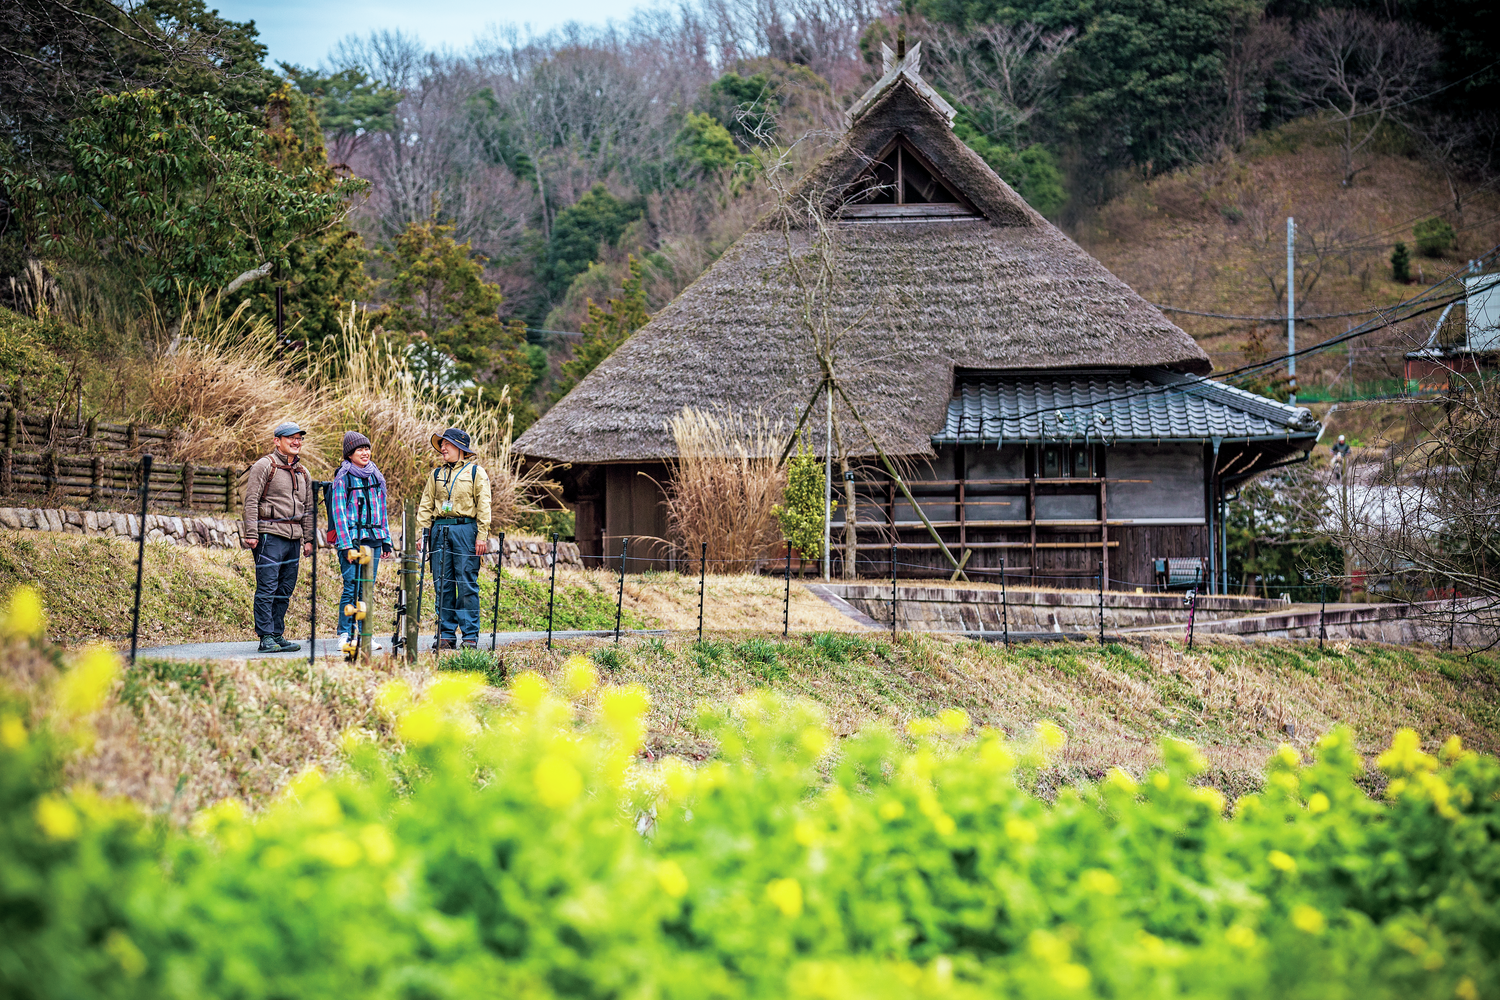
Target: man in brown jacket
{"points": [[278, 527]]}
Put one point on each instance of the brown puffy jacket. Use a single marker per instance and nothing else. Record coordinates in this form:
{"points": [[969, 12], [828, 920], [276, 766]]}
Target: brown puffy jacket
{"points": [[278, 500]]}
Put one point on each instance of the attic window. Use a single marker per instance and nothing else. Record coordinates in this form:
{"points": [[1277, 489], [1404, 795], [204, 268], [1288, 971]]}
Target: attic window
{"points": [[902, 184]]}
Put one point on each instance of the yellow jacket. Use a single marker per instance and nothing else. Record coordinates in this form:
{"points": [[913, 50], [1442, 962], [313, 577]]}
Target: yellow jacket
{"points": [[463, 484]]}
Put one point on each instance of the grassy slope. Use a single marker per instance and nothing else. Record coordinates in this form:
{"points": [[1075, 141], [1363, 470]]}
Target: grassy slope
{"points": [[204, 595], [1213, 238], [235, 729]]}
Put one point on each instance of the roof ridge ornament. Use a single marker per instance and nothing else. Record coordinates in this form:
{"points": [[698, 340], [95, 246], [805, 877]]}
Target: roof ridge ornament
{"points": [[902, 63]]}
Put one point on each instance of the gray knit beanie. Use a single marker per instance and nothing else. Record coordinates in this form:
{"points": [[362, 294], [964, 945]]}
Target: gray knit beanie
{"points": [[354, 440]]}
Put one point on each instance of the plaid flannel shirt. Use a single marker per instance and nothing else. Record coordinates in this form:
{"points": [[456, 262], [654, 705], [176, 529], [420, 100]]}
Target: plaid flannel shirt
{"points": [[346, 512]]}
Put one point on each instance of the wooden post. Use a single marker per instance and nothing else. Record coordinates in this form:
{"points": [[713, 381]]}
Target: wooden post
{"points": [[188, 475], [1103, 535], [7, 471], [49, 472], [11, 416], [91, 433], [96, 480], [132, 437], [1031, 514], [229, 489]]}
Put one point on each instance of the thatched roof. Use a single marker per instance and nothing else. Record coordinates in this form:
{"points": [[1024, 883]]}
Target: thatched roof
{"points": [[919, 299]]}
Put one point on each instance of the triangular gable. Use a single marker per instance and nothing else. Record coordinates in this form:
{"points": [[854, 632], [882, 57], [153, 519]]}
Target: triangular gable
{"points": [[902, 107]]}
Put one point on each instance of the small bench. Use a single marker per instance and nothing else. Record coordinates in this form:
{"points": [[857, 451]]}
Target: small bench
{"points": [[1178, 572]]}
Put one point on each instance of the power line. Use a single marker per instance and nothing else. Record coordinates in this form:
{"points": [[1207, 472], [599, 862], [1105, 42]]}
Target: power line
{"points": [[1281, 318]]}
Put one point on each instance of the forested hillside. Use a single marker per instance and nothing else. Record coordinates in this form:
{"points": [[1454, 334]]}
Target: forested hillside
{"points": [[509, 213]]}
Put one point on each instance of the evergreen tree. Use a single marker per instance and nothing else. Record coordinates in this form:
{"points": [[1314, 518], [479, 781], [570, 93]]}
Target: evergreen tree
{"points": [[801, 513], [605, 330], [1401, 264]]}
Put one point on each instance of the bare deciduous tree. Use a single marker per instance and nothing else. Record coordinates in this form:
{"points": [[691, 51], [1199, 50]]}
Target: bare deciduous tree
{"points": [[1357, 71], [1002, 72]]}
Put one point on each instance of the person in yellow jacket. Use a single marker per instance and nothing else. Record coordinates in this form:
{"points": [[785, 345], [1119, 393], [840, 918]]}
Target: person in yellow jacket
{"points": [[456, 507]]}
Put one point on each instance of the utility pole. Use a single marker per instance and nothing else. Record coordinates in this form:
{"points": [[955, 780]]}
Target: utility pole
{"points": [[1291, 309]]}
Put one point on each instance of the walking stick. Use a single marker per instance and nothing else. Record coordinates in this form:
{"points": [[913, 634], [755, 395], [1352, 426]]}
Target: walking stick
{"points": [[140, 555], [620, 597], [422, 558], [312, 614], [499, 574]]}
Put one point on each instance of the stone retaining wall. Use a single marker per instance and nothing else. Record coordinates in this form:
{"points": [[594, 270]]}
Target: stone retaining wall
{"points": [[224, 533]]}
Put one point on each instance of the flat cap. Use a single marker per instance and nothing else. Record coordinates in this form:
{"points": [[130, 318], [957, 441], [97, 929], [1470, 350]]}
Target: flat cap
{"points": [[287, 430]]}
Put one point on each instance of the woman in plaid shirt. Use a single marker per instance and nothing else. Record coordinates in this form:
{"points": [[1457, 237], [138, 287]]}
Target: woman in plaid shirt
{"points": [[358, 510]]}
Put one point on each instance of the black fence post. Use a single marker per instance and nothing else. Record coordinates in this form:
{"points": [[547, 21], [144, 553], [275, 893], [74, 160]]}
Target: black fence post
{"points": [[1191, 600], [140, 555], [551, 590], [620, 596], [893, 592], [1452, 610], [1322, 612], [499, 575], [702, 584], [786, 597]]}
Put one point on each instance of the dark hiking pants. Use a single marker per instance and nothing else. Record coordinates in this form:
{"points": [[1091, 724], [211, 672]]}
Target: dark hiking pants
{"points": [[276, 561], [455, 577]]}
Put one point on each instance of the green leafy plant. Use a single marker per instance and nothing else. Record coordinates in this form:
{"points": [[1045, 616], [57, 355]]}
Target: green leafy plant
{"points": [[482, 662], [800, 514], [1434, 237]]}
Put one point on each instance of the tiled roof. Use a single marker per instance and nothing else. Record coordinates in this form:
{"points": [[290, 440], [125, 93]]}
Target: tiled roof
{"points": [[1108, 405]]}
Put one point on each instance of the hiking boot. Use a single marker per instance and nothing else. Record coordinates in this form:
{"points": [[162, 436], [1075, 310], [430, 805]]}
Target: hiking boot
{"points": [[288, 647], [443, 644], [268, 644], [471, 644]]}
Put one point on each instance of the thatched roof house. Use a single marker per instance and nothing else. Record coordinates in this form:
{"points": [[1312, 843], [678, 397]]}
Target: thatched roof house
{"points": [[944, 273]]}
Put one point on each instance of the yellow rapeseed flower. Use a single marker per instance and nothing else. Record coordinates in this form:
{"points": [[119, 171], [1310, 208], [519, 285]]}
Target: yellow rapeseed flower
{"points": [[1281, 861], [677, 777], [333, 847], [1287, 756], [420, 726], [392, 697], [557, 781], [12, 732], [921, 727], [1240, 936], [1318, 803], [786, 895], [1405, 755], [1099, 882], [1021, 831], [378, 845], [579, 675], [1307, 919], [1071, 976], [1119, 780], [891, 810], [1051, 735], [1466, 990], [57, 818], [670, 877], [1452, 750], [528, 690], [623, 709], [954, 720], [304, 783], [118, 946], [814, 740], [1211, 797], [25, 617], [82, 690]]}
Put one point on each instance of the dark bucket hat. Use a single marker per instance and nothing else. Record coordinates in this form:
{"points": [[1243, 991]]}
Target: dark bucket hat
{"points": [[459, 439]]}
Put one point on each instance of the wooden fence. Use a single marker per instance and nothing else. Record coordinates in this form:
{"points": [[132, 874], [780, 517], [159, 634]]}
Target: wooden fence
{"points": [[101, 479], [44, 432]]}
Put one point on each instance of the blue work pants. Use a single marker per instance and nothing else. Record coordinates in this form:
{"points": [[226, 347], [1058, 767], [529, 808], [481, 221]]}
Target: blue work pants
{"points": [[352, 572], [455, 577], [276, 562]]}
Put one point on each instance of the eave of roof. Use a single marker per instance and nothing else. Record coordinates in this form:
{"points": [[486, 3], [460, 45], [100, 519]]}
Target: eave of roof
{"points": [[1111, 406]]}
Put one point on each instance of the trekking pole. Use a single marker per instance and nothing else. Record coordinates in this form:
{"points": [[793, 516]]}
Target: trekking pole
{"points": [[366, 583], [786, 600], [551, 590], [499, 575], [403, 638], [620, 597], [893, 592], [140, 554], [422, 558], [702, 581], [312, 613], [1004, 609]]}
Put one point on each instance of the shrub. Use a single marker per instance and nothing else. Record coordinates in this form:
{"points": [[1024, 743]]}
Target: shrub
{"points": [[800, 513], [1434, 237], [724, 488], [480, 662]]}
